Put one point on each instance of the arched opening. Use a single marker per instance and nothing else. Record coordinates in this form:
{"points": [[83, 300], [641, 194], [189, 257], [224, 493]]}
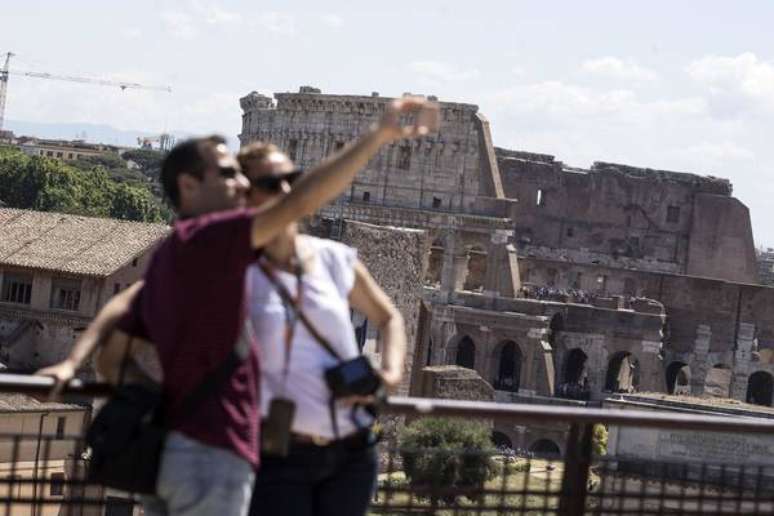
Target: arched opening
{"points": [[678, 378], [575, 380], [545, 448], [509, 368], [718, 381], [474, 281], [435, 264], [623, 373], [501, 440], [466, 353], [760, 388]]}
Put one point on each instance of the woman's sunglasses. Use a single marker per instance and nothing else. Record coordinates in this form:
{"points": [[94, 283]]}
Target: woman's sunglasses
{"points": [[273, 183]]}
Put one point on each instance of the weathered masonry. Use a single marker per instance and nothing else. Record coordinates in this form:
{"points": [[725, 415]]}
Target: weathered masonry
{"points": [[549, 280]]}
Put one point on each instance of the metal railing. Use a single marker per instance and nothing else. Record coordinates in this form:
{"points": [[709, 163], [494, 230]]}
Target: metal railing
{"points": [[460, 481]]}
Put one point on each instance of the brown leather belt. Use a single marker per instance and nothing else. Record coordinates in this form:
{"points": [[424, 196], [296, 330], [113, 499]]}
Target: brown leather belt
{"points": [[360, 438]]}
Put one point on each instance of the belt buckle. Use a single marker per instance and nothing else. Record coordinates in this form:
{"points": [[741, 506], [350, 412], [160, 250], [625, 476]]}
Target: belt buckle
{"points": [[319, 440]]}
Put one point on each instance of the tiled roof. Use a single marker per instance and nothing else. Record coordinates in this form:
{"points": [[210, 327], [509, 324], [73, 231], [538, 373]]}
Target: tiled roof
{"points": [[72, 243]]}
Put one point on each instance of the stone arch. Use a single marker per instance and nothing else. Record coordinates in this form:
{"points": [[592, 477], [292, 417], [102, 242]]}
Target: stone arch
{"points": [[435, 263], [501, 440], [717, 383], [574, 382], [623, 373], [477, 263], [760, 387], [466, 353], [508, 367], [574, 370], [678, 378], [546, 448]]}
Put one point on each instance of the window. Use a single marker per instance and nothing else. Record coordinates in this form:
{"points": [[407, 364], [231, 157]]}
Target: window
{"points": [[339, 146], [60, 427], [70, 155], [57, 484], [436, 202], [673, 214], [570, 232], [366, 196], [404, 158], [49, 153], [540, 199], [576, 282], [551, 279], [59, 154], [293, 149], [65, 294], [601, 281], [17, 288]]}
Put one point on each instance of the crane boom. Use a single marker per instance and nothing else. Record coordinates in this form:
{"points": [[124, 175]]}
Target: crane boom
{"points": [[5, 72], [103, 82]]}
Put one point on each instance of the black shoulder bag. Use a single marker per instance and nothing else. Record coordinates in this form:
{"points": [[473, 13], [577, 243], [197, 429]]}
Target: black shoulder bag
{"points": [[127, 435]]}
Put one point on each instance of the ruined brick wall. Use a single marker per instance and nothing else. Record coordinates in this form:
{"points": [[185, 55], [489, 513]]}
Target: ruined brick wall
{"points": [[657, 220], [445, 171], [397, 259]]}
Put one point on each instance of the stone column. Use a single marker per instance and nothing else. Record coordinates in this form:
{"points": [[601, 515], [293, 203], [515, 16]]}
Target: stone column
{"points": [[455, 263], [700, 365], [742, 367], [540, 371]]}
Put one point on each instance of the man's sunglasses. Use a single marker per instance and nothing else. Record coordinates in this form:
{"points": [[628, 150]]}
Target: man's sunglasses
{"points": [[273, 183]]}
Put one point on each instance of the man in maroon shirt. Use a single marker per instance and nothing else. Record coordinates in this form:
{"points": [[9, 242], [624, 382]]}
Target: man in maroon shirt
{"points": [[191, 305]]}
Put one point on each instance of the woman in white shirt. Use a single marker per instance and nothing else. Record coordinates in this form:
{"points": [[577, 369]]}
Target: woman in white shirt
{"points": [[331, 466]]}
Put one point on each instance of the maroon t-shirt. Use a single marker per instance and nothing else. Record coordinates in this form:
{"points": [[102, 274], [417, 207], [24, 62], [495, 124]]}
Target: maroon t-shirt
{"points": [[193, 307]]}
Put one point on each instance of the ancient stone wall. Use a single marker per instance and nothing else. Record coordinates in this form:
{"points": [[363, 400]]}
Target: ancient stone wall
{"points": [[446, 171], [397, 260], [678, 222]]}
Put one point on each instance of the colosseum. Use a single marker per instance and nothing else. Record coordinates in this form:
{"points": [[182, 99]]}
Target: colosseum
{"points": [[551, 282]]}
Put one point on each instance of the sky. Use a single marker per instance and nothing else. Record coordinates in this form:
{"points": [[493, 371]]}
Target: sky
{"points": [[685, 86]]}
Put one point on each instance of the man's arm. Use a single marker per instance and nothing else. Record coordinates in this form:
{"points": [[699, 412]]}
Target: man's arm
{"points": [[331, 177], [96, 332]]}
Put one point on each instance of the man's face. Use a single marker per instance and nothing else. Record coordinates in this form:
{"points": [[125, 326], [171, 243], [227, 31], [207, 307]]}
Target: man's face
{"points": [[222, 186]]}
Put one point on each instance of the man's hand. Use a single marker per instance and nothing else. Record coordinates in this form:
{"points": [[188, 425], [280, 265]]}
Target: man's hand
{"points": [[425, 115], [62, 373]]}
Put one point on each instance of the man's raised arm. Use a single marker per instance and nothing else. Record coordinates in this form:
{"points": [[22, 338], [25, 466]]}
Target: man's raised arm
{"points": [[331, 177]]}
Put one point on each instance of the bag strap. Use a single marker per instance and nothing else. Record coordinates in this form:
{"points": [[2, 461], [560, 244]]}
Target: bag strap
{"points": [[215, 379], [290, 302]]}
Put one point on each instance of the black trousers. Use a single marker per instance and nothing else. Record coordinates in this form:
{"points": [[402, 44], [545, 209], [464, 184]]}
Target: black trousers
{"points": [[334, 480]]}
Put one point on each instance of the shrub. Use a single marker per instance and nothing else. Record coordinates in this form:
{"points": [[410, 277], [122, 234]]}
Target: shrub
{"points": [[599, 440], [449, 454]]}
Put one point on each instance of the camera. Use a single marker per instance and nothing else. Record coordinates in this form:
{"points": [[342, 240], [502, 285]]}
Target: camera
{"points": [[355, 377]]}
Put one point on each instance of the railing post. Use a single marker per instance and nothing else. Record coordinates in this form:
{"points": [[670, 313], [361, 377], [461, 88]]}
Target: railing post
{"points": [[577, 461]]}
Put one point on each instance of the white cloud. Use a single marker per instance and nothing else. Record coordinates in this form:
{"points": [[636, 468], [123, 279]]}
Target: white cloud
{"points": [[131, 33], [214, 14], [333, 21], [442, 72], [735, 84], [180, 24], [278, 23], [615, 68], [719, 152]]}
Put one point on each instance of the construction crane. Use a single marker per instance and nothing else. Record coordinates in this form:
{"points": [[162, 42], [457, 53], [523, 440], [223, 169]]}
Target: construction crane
{"points": [[5, 72]]}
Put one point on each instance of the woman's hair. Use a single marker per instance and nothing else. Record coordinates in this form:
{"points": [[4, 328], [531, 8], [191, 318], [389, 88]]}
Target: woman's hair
{"points": [[255, 152]]}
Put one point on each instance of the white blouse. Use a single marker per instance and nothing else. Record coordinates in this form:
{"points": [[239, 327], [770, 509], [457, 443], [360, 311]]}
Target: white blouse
{"points": [[326, 288]]}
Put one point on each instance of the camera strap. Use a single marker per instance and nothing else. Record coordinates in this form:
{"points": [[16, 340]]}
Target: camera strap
{"points": [[291, 306]]}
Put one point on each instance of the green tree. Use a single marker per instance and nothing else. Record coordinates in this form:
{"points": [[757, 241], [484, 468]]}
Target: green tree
{"points": [[447, 453]]}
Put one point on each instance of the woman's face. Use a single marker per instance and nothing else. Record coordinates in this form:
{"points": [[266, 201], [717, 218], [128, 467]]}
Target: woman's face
{"points": [[269, 178]]}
